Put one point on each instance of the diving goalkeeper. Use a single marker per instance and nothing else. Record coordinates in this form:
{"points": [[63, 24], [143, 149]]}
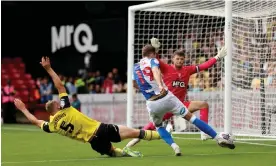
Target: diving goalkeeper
{"points": [[67, 121]]}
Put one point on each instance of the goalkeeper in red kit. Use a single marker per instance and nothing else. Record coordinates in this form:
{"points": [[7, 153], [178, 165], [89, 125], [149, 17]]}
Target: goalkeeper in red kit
{"points": [[176, 78]]}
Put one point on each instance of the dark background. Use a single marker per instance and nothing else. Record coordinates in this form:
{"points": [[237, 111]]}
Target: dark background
{"points": [[26, 32]]}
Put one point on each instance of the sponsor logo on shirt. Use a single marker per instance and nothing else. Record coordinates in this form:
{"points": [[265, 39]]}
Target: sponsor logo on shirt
{"points": [[180, 84]]}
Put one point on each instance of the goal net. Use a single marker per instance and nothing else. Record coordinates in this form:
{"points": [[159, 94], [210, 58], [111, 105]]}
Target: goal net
{"points": [[197, 27]]}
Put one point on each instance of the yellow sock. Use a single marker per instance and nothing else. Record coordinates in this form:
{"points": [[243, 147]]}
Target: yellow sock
{"points": [[117, 152], [151, 135]]}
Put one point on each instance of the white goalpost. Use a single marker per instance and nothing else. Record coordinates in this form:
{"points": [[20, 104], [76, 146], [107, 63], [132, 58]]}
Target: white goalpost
{"points": [[241, 89]]}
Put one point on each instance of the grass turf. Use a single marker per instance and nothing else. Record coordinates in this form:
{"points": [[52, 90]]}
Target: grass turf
{"points": [[25, 145]]}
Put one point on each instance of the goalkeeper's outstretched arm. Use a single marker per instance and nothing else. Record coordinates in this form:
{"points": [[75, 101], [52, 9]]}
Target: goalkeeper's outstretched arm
{"points": [[221, 54], [45, 62]]}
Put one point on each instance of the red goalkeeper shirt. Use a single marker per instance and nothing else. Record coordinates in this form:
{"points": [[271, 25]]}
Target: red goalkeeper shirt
{"points": [[177, 80]]}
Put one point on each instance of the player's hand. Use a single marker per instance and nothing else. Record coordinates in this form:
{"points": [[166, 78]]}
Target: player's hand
{"points": [[19, 104], [221, 53], [162, 89], [45, 62], [155, 43]]}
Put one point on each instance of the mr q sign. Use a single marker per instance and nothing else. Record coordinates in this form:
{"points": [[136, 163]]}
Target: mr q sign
{"points": [[63, 38]]}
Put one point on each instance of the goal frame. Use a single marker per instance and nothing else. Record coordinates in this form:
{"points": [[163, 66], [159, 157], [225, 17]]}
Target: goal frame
{"points": [[228, 59]]}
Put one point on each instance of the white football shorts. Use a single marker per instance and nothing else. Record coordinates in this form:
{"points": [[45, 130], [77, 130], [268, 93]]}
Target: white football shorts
{"points": [[157, 109]]}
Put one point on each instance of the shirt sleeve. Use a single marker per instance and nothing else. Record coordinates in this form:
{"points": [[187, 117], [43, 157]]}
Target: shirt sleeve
{"points": [[201, 67], [45, 127], [192, 69], [64, 101], [136, 65], [133, 78], [163, 66], [154, 63]]}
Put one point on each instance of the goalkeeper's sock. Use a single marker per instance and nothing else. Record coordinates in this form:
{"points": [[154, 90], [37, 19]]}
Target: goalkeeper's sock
{"points": [[204, 115], [165, 135], [149, 135], [203, 126]]}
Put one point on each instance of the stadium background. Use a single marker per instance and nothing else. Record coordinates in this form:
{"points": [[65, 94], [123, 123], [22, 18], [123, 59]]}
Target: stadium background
{"points": [[26, 28], [26, 37]]}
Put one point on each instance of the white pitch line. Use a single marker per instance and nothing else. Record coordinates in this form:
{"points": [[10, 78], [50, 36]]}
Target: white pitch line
{"points": [[187, 138], [45, 161], [250, 143], [101, 158], [37, 130], [254, 143], [19, 129]]}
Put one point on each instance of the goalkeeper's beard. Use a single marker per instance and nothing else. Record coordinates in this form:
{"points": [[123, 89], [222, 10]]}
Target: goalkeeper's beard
{"points": [[179, 66]]}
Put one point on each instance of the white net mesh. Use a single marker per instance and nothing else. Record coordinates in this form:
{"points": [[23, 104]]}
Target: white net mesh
{"points": [[197, 27]]}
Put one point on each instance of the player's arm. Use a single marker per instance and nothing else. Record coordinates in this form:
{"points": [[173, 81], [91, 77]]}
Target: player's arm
{"points": [[221, 54], [157, 73], [163, 66], [135, 85], [45, 62], [21, 106], [156, 44]]}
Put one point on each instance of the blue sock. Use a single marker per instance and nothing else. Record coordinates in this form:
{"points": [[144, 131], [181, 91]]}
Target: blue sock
{"points": [[204, 127], [165, 135]]}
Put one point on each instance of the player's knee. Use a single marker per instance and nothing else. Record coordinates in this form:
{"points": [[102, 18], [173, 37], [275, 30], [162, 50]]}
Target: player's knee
{"points": [[205, 105], [188, 116]]}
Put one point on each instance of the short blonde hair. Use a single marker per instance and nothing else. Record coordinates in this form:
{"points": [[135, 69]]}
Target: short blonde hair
{"points": [[49, 105]]}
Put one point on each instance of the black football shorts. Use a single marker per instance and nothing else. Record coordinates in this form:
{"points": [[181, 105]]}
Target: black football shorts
{"points": [[105, 134]]}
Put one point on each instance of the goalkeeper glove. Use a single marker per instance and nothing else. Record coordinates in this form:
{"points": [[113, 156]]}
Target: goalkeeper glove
{"points": [[221, 53], [155, 43]]}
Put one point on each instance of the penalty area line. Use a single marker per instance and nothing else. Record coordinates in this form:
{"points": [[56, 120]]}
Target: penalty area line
{"points": [[101, 158]]}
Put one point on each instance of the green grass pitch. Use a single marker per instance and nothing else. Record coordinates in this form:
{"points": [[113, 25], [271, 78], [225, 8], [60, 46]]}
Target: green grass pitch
{"points": [[25, 145]]}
